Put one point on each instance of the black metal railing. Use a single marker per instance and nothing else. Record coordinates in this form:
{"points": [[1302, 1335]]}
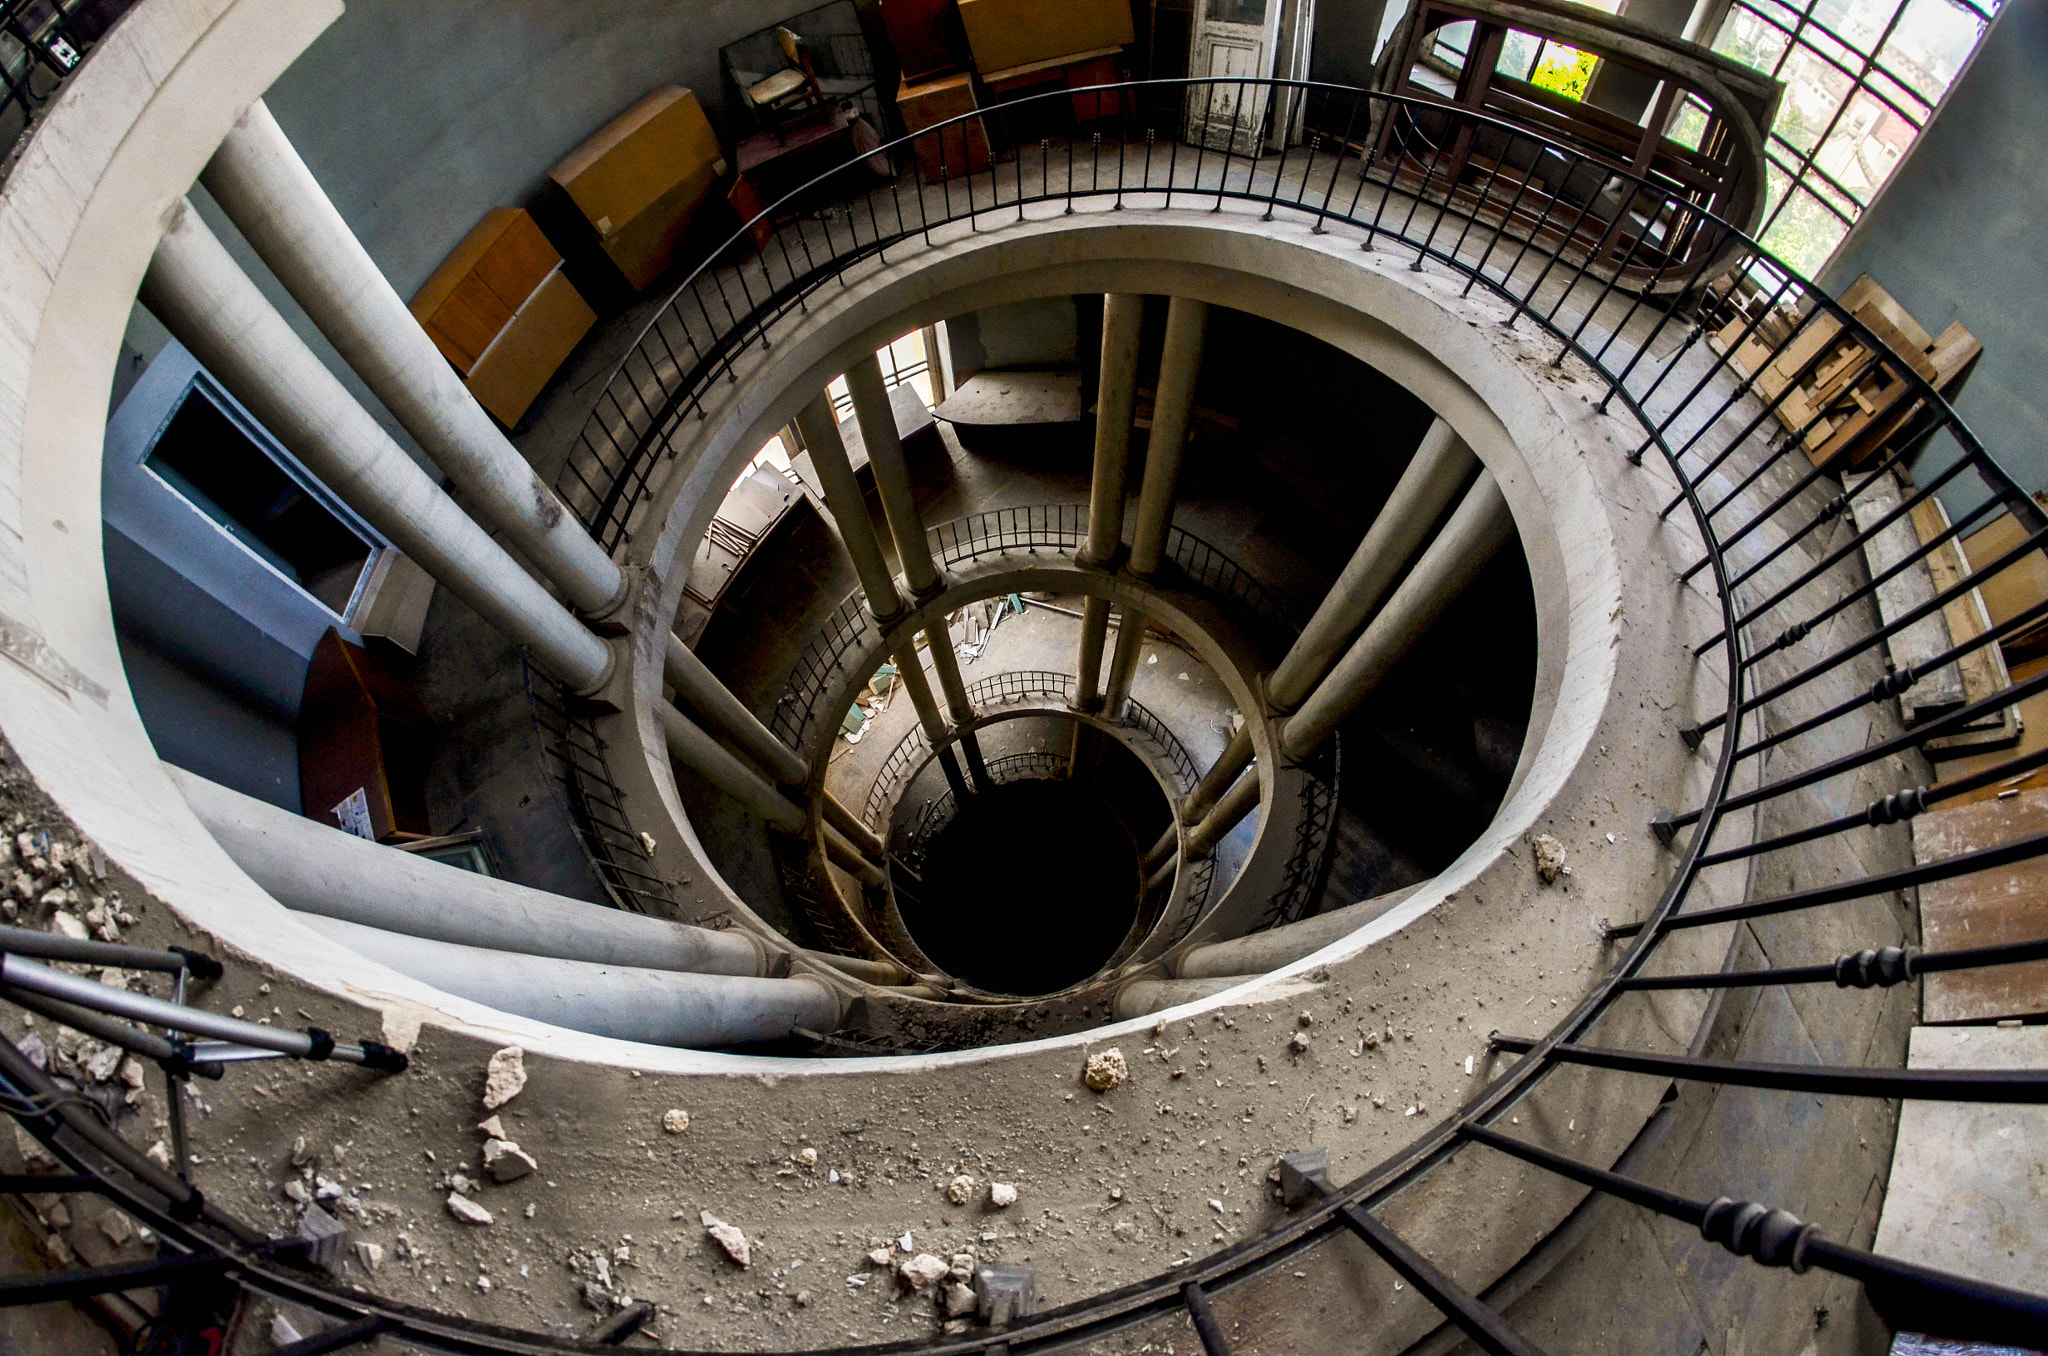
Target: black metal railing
{"points": [[1055, 531], [41, 43], [573, 758], [1606, 281]]}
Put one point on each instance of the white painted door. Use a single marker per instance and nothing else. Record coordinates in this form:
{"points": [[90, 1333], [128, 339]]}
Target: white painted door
{"points": [[1233, 39]]}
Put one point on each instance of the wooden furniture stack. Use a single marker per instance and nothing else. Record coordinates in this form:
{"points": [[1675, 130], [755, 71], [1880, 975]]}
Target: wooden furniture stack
{"points": [[931, 51], [503, 312], [637, 186], [364, 743], [1846, 399], [1024, 47]]}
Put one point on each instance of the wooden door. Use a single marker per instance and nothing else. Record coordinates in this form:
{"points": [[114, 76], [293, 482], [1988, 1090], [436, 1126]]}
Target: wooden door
{"points": [[1233, 40]]}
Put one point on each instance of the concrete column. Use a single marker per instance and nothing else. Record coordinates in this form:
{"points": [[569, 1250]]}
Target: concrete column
{"points": [[273, 199], [1258, 952], [848, 858], [212, 307], [848, 506], [628, 1003], [1180, 362], [1479, 528], [1236, 803], [1123, 664], [710, 760], [838, 817], [312, 868], [711, 699], [820, 429], [1441, 465], [1116, 399], [1143, 997], [1439, 469], [877, 420], [910, 672]]}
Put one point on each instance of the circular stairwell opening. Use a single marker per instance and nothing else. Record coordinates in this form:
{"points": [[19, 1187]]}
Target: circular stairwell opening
{"points": [[1034, 883]]}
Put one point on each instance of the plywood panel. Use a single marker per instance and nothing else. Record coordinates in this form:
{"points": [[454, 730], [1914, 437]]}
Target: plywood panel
{"points": [[1985, 908]]}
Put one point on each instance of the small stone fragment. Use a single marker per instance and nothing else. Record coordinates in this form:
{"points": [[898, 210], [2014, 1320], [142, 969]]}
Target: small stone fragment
{"points": [[282, 1333], [1001, 1195], [959, 1300], [159, 1153], [675, 1121], [962, 1267], [1105, 1070], [371, 1255], [727, 1237], [506, 1161], [504, 1076], [494, 1127], [1123, 1231], [117, 1227], [1299, 1043], [802, 1299], [960, 1190], [808, 1157], [922, 1272], [879, 1257], [295, 1191], [1308, 1019], [1549, 857], [66, 925], [467, 1210]]}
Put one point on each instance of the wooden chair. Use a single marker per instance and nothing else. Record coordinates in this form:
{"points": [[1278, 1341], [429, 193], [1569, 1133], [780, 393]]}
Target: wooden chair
{"points": [[792, 93]]}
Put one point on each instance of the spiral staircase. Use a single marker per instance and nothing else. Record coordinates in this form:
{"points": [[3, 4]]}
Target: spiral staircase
{"points": [[1663, 989]]}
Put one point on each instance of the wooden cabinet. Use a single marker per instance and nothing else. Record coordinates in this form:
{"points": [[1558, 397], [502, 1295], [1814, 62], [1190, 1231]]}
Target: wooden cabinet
{"points": [[364, 743], [960, 149], [639, 184], [503, 312]]}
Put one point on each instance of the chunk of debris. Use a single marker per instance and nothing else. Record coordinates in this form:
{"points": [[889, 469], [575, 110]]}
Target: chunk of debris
{"points": [[1307, 1019], [467, 1210], [880, 1257], [493, 1127], [1123, 1231], [1105, 1070], [504, 1076], [960, 1190], [808, 1157], [117, 1227], [1299, 1043], [65, 925], [922, 1272], [1001, 1195], [728, 1238], [506, 1161], [962, 1268], [371, 1255], [959, 1300], [675, 1120], [1549, 857]]}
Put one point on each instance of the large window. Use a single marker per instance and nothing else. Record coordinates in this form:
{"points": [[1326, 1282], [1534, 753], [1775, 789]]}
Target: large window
{"points": [[1862, 77]]}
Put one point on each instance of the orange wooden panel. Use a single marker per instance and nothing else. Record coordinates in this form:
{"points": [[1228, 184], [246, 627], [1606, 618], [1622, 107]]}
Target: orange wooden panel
{"points": [[1986, 908]]}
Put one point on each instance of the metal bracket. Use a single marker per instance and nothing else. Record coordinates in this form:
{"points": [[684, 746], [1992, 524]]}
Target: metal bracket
{"points": [[1304, 1176], [1004, 1294]]}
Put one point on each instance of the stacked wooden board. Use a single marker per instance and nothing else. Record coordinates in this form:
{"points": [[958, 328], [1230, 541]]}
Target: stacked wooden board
{"points": [[1844, 398]]}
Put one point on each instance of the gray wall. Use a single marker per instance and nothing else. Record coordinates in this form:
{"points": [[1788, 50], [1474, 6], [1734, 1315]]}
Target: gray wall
{"points": [[1961, 233], [215, 641], [419, 118]]}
